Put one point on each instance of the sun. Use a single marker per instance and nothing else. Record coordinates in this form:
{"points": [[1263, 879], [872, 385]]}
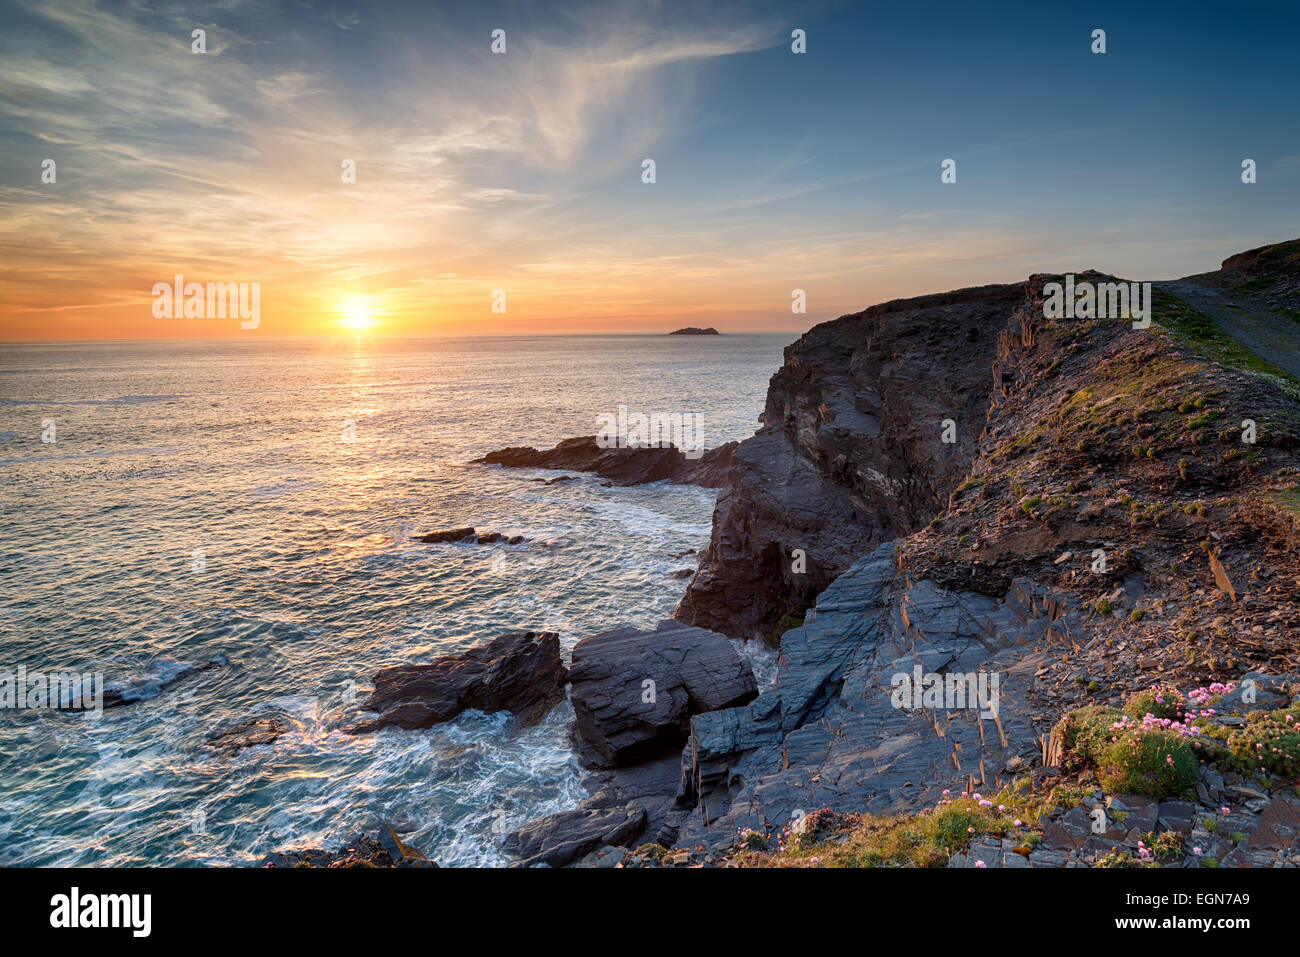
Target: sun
{"points": [[356, 314]]}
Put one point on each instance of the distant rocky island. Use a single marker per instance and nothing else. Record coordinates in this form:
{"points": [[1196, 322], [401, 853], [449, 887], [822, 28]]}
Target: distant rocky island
{"points": [[695, 331]]}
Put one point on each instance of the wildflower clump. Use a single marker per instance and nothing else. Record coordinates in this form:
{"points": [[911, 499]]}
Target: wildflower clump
{"points": [[1146, 758], [1161, 700]]}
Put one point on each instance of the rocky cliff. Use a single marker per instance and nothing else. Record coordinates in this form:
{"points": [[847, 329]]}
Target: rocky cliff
{"points": [[1065, 510], [1120, 507], [850, 453]]}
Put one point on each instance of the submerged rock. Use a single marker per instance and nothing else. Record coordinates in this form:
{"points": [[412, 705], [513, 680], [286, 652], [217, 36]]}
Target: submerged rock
{"points": [[520, 672], [360, 851], [247, 734]]}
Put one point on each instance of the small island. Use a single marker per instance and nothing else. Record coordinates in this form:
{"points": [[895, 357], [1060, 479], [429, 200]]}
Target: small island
{"points": [[693, 331]]}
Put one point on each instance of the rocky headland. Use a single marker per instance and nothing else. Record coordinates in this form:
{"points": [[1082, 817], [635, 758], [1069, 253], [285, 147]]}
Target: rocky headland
{"points": [[1077, 536]]}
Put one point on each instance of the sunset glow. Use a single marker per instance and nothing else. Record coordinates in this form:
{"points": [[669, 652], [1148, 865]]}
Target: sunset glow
{"points": [[357, 314]]}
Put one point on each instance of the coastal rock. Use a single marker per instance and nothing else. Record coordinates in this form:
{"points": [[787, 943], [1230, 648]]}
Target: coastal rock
{"points": [[634, 692], [622, 466], [468, 534], [360, 851], [563, 838], [519, 672], [695, 331], [247, 734], [850, 453], [168, 673], [831, 734]]}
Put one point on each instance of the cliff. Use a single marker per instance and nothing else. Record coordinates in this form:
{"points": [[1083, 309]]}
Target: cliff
{"points": [[849, 454], [1068, 510]]}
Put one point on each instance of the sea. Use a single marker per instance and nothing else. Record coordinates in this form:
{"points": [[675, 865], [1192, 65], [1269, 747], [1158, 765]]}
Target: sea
{"points": [[250, 506]]}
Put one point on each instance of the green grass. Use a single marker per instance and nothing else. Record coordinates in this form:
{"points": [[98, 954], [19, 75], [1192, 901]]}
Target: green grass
{"points": [[925, 839], [1287, 498], [1201, 333], [1255, 285]]}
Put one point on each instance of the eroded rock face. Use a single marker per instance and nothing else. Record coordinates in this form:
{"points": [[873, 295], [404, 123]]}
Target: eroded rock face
{"points": [[831, 734], [621, 719], [520, 672], [627, 466], [850, 453]]}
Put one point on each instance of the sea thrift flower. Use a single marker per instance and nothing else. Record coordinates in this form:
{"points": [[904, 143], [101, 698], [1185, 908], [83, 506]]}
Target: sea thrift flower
{"points": [[980, 864]]}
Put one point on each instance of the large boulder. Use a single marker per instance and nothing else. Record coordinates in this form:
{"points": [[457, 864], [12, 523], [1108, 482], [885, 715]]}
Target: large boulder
{"points": [[634, 692], [520, 672], [563, 838]]}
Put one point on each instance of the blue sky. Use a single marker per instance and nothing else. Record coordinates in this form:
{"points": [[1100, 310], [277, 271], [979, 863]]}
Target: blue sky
{"points": [[522, 171]]}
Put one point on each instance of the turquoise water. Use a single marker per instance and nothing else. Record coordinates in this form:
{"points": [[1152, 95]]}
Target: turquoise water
{"points": [[308, 581]]}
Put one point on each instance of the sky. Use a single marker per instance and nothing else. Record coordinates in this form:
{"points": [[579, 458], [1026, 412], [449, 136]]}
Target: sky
{"points": [[522, 172]]}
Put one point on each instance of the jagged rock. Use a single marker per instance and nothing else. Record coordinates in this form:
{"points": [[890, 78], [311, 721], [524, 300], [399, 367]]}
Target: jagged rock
{"points": [[519, 672], [447, 535], [849, 454], [360, 851], [563, 838], [621, 718], [1265, 692], [829, 734], [468, 534], [623, 466]]}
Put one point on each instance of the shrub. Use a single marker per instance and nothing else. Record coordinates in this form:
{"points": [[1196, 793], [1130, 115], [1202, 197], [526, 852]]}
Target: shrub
{"points": [[1270, 742], [1085, 734], [1152, 761], [1161, 700]]}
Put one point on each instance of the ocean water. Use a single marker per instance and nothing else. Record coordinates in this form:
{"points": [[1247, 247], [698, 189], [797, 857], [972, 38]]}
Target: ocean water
{"points": [[308, 582]]}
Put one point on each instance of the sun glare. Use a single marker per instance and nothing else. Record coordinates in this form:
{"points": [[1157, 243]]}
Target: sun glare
{"points": [[356, 314]]}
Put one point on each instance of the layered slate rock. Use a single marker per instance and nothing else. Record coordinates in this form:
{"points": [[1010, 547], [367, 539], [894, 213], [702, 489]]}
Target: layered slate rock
{"points": [[829, 734], [849, 453], [631, 740], [622, 466], [634, 692], [520, 672], [565, 837]]}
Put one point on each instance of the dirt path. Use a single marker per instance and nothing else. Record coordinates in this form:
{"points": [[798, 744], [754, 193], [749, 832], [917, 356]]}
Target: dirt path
{"points": [[1272, 336]]}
